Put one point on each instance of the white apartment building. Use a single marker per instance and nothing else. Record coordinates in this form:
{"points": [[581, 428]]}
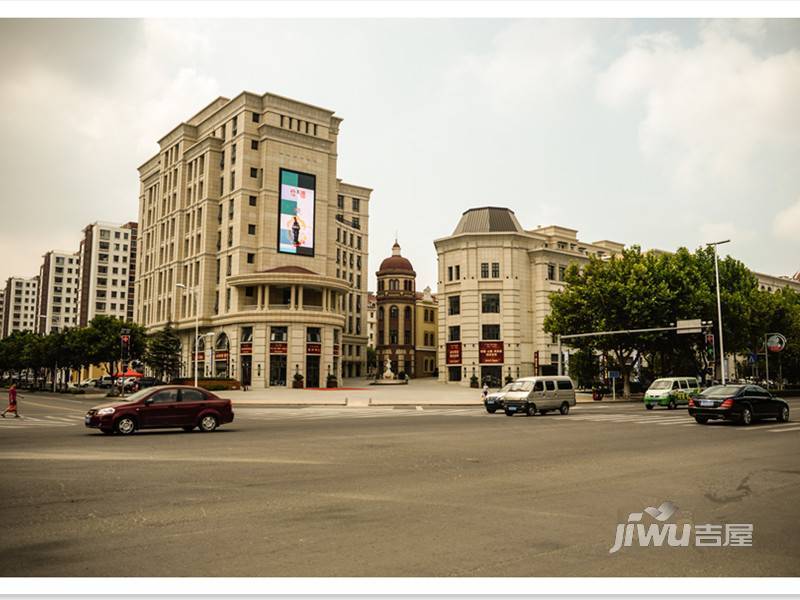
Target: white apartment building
{"points": [[246, 230], [57, 296], [107, 271], [19, 306]]}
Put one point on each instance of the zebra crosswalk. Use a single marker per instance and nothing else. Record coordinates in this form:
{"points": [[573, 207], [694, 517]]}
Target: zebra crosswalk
{"points": [[25, 421]]}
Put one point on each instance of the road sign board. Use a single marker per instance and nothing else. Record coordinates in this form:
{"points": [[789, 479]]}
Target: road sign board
{"points": [[752, 358], [613, 374], [776, 342], [689, 326]]}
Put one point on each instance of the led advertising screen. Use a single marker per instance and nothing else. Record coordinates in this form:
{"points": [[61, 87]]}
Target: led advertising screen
{"points": [[296, 213]]}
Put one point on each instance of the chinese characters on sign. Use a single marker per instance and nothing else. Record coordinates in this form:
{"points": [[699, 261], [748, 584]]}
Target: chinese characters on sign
{"points": [[490, 353], [453, 356]]}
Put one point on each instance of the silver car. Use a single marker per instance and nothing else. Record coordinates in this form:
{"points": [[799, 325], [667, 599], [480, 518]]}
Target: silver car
{"points": [[541, 394]]}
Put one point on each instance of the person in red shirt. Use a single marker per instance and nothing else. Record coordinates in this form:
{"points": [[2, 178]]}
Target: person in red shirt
{"points": [[12, 402]]}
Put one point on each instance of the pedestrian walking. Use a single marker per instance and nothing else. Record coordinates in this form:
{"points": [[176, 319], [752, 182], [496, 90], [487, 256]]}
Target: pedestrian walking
{"points": [[485, 391], [12, 402]]}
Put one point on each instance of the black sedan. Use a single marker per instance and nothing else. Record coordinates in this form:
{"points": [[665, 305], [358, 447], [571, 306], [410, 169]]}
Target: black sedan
{"points": [[740, 403]]}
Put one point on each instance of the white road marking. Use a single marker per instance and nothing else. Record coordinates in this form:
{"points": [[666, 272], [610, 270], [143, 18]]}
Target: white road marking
{"points": [[785, 429]]}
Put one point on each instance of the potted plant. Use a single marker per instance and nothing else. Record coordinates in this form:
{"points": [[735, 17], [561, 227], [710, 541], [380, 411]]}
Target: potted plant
{"points": [[332, 382], [509, 378], [473, 381], [297, 381]]}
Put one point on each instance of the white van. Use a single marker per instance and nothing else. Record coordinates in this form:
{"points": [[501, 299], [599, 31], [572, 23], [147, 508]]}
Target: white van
{"points": [[542, 394]]}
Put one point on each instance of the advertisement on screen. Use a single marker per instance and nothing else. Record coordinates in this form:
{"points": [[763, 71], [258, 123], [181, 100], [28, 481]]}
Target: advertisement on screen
{"points": [[296, 213]]}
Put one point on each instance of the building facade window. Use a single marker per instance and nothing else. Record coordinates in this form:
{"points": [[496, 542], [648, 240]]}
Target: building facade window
{"points": [[484, 270], [495, 270], [490, 303], [454, 305], [454, 333], [490, 332]]}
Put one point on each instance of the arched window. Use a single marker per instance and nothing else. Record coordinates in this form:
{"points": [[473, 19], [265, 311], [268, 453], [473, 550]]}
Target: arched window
{"points": [[221, 342], [393, 284], [393, 312], [408, 314], [380, 314], [380, 285]]}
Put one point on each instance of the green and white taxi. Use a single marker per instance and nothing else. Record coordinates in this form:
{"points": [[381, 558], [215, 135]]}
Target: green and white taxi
{"points": [[670, 392]]}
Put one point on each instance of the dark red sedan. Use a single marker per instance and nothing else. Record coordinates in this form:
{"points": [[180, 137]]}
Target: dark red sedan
{"points": [[162, 407]]}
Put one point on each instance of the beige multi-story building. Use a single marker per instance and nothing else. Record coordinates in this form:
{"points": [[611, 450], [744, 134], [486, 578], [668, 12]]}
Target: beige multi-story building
{"points": [[57, 296], [19, 305], [372, 319], [107, 270], [495, 280], [427, 325], [772, 283], [247, 231]]}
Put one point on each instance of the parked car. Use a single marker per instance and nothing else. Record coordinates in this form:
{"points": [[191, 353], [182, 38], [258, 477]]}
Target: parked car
{"points": [[494, 400], [88, 383], [741, 403], [543, 394], [162, 407], [146, 382], [104, 382], [670, 392]]}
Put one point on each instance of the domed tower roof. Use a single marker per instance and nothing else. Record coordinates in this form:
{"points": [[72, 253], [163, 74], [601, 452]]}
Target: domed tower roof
{"points": [[396, 264], [488, 219]]}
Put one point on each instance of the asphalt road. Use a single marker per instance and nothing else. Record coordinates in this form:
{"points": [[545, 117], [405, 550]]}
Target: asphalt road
{"points": [[392, 492]]}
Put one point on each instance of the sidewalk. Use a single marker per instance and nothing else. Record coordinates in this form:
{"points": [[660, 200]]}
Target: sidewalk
{"points": [[359, 393]]}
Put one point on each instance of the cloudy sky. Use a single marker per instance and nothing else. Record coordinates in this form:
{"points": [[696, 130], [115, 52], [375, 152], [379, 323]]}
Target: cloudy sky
{"points": [[657, 132]]}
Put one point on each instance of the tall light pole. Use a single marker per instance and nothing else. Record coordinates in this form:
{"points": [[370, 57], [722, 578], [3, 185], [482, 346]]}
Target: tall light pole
{"points": [[719, 310], [196, 333]]}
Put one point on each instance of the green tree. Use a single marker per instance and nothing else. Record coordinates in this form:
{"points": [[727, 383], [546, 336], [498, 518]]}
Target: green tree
{"points": [[638, 290], [163, 352], [103, 340]]}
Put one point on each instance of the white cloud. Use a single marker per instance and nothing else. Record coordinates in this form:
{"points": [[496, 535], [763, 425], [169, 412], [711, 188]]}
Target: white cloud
{"points": [[710, 108], [529, 63], [787, 223]]}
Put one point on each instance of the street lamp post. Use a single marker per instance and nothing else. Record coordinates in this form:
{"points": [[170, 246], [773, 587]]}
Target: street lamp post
{"points": [[55, 368], [719, 311], [196, 333]]}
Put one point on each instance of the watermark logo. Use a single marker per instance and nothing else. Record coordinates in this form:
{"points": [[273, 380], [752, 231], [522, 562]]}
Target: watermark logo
{"points": [[677, 535]]}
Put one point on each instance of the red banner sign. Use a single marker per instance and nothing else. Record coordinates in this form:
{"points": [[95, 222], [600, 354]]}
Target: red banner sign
{"points": [[313, 348], [200, 356], [246, 348], [536, 363], [221, 355], [453, 353], [278, 348], [490, 353]]}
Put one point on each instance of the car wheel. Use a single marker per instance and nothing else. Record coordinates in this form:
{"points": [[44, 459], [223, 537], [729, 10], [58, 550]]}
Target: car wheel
{"points": [[530, 410], [783, 415], [509, 413], [701, 420], [648, 406], [746, 417], [564, 408], [188, 429], [671, 405], [491, 411], [125, 426], [208, 423]]}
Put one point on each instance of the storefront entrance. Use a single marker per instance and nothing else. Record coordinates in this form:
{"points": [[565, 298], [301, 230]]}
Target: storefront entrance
{"points": [[247, 370], [492, 376], [277, 369], [312, 371]]}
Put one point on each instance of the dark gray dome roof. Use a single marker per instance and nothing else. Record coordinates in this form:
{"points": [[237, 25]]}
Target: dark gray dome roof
{"points": [[488, 219]]}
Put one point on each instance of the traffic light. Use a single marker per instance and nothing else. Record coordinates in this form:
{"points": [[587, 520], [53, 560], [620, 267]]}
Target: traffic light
{"points": [[710, 347]]}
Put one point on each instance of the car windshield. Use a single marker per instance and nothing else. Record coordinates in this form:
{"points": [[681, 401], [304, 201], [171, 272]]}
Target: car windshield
{"points": [[721, 391], [506, 387], [136, 396], [661, 384], [521, 386]]}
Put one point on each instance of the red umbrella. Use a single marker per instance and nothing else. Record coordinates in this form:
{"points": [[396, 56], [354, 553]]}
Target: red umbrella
{"points": [[129, 373]]}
